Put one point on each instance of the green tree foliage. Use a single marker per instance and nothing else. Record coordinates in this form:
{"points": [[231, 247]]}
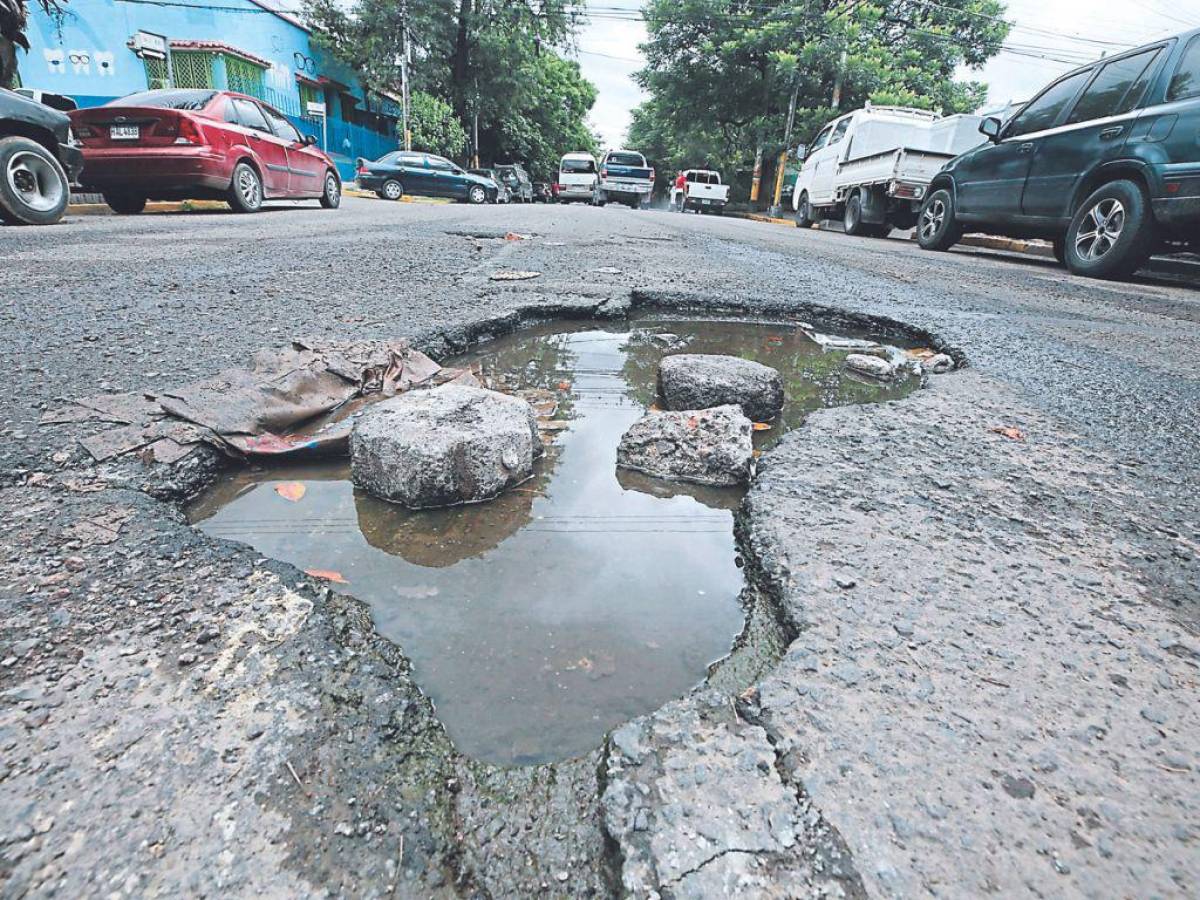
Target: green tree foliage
{"points": [[720, 73], [435, 128], [14, 18], [494, 57]]}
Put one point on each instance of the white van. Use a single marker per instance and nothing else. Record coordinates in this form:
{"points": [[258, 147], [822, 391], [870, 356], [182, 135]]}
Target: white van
{"points": [[576, 177]]}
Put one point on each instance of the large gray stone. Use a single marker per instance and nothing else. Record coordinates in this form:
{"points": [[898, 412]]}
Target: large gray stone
{"points": [[701, 381], [441, 447], [704, 446]]}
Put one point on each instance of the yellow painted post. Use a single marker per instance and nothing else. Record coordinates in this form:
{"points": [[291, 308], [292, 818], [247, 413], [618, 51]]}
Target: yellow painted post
{"points": [[779, 179]]}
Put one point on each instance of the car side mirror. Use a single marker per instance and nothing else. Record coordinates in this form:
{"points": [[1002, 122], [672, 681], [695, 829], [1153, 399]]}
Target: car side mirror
{"points": [[801, 151], [308, 140], [991, 128]]}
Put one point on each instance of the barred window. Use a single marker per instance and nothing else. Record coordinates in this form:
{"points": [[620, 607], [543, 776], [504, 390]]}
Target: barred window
{"points": [[244, 76], [156, 74], [191, 69]]}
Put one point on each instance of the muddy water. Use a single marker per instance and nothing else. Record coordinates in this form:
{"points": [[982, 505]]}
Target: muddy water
{"points": [[539, 621]]}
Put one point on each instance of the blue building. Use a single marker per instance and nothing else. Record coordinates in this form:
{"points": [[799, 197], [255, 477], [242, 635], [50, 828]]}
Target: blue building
{"points": [[100, 50]]}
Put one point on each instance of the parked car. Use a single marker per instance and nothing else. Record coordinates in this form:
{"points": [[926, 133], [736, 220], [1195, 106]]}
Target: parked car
{"points": [[542, 192], [518, 182], [1104, 162], [424, 175], [576, 177], [503, 195], [702, 192], [872, 167], [625, 177], [196, 144], [38, 161]]}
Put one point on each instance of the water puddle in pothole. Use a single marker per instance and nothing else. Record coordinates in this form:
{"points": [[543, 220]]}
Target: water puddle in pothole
{"points": [[540, 620]]}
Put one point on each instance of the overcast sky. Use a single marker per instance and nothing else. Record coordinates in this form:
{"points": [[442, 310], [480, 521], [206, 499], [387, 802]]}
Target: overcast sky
{"points": [[1077, 30]]}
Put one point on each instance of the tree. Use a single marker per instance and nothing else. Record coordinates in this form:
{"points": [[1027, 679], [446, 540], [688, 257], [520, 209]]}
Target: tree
{"points": [[497, 59], [434, 126], [14, 15], [739, 61]]}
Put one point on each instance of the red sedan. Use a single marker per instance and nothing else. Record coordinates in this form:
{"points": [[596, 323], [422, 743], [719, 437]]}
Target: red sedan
{"points": [[196, 145]]}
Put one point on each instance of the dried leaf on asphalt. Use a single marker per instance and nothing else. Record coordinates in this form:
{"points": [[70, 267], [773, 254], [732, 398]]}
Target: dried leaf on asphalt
{"points": [[327, 575], [1008, 431], [514, 275], [290, 490], [516, 236], [761, 426]]}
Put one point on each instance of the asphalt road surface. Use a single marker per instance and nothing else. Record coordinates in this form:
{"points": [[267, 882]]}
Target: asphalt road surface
{"points": [[990, 683]]}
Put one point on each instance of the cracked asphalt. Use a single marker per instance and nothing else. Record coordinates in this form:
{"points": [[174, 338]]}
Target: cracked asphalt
{"points": [[990, 652]]}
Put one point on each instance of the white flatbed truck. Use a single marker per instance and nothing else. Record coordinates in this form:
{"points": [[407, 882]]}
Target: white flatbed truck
{"points": [[871, 167]]}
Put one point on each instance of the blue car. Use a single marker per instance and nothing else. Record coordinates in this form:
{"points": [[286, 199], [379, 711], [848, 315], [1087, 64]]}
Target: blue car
{"points": [[424, 175]]}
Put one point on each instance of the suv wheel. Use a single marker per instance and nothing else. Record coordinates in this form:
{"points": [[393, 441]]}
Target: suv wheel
{"points": [[1112, 234], [391, 190], [125, 204], [804, 215], [33, 186], [331, 196], [937, 227], [246, 190]]}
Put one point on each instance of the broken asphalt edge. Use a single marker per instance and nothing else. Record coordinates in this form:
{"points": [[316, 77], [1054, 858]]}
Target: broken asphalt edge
{"points": [[436, 764], [179, 206]]}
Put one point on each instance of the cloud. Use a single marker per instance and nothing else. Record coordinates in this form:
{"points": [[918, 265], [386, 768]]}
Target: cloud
{"points": [[608, 58]]}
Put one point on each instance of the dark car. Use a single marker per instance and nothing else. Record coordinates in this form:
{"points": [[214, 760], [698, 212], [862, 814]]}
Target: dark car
{"points": [[1104, 162], [518, 182], [410, 172], [38, 161], [502, 193], [185, 144]]}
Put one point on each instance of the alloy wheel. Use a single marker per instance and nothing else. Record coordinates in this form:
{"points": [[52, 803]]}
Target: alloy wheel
{"points": [[331, 187], [393, 191], [35, 181], [1105, 221], [932, 219], [249, 188]]}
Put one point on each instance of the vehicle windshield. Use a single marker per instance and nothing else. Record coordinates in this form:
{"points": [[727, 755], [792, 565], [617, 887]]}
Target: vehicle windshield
{"points": [[579, 166], [626, 159], [187, 100]]}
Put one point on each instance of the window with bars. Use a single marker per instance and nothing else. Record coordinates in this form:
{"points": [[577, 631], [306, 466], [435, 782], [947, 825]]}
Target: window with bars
{"points": [[156, 73], [309, 94], [244, 76], [192, 70]]}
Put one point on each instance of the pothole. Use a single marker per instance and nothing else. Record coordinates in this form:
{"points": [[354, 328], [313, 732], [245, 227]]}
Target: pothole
{"points": [[540, 620]]}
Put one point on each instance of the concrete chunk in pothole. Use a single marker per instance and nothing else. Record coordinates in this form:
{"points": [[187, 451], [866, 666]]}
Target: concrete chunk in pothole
{"points": [[442, 447], [702, 446], [701, 381]]}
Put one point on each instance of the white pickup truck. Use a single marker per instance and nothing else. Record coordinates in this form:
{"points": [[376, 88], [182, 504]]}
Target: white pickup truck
{"points": [[871, 167], [702, 191]]}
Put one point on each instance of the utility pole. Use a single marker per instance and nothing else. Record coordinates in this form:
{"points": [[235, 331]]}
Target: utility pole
{"points": [[404, 74], [475, 129], [776, 208]]}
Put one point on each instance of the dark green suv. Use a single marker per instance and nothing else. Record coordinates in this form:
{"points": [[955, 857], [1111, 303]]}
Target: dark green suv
{"points": [[1105, 162]]}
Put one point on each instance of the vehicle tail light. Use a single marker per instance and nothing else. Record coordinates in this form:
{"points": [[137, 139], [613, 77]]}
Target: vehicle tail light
{"points": [[604, 173], [651, 174], [362, 169], [189, 132]]}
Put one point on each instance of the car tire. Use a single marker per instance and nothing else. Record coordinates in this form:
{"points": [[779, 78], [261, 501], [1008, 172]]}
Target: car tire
{"points": [[937, 226], [1112, 234], [477, 195], [125, 204], [331, 195], [1060, 249], [391, 189], [245, 189], [852, 219], [805, 215], [34, 189]]}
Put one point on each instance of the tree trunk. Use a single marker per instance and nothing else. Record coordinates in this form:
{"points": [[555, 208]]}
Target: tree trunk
{"points": [[8, 63], [461, 68]]}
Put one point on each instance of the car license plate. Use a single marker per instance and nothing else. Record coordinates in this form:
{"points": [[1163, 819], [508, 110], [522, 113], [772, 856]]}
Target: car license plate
{"points": [[124, 132]]}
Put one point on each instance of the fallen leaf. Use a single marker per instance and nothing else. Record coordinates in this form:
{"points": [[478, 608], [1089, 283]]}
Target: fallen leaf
{"points": [[291, 490], [327, 575], [761, 426], [516, 236], [1013, 434]]}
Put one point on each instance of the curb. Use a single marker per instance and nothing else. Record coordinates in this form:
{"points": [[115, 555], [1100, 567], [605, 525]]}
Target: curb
{"points": [[407, 198], [102, 209]]}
